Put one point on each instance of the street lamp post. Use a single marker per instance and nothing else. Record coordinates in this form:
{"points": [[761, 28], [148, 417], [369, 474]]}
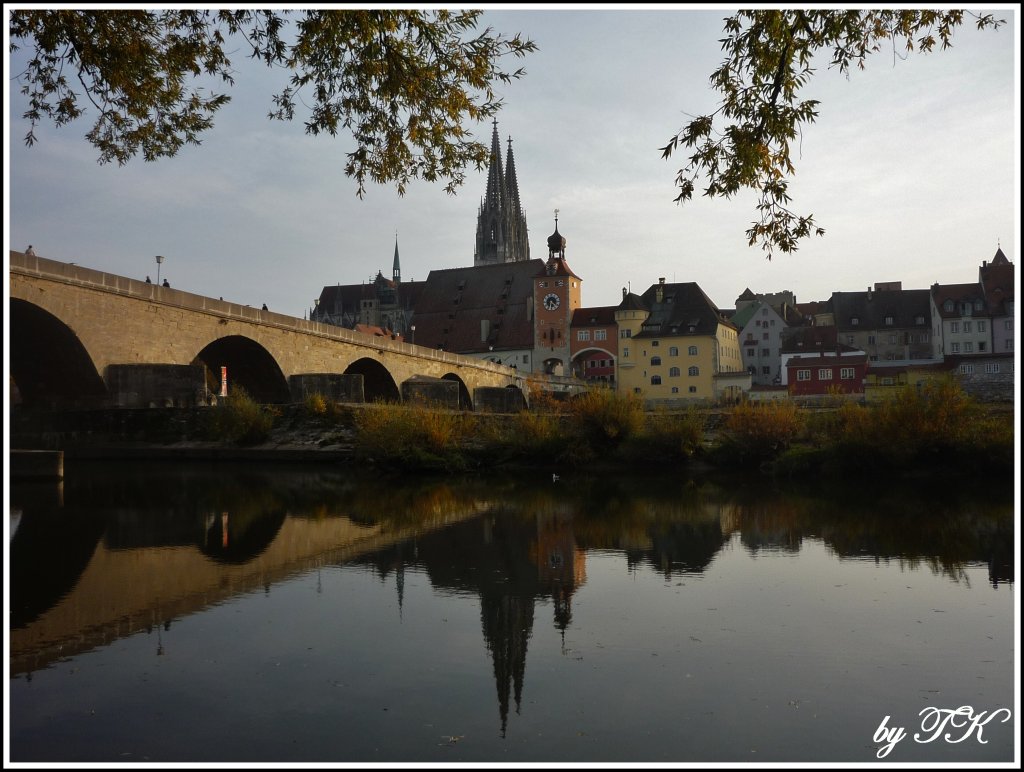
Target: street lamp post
{"points": [[159, 261], [412, 329]]}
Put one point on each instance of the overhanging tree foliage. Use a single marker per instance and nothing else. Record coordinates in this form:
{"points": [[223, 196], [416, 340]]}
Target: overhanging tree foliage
{"points": [[405, 83], [768, 61]]}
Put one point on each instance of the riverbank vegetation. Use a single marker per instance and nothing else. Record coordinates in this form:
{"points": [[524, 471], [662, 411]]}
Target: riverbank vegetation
{"points": [[936, 428]]}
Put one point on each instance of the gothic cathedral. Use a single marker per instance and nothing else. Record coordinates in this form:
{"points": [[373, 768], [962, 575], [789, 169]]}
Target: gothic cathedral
{"points": [[501, 235]]}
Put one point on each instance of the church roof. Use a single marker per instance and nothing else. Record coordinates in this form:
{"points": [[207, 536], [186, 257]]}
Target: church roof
{"points": [[456, 301]]}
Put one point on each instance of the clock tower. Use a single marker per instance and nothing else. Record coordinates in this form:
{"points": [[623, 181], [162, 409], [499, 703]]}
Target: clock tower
{"points": [[556, 294]]}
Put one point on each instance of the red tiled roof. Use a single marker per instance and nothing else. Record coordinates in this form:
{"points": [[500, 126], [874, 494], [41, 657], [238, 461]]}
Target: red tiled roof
{"points": [[593, 317]]}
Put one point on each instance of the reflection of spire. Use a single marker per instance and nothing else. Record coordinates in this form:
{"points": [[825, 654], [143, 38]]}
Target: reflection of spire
{"points": [[507, 623], [400, 586]]}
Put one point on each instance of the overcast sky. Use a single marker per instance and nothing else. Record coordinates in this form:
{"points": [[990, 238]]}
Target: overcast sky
{"points": [[912, 167]]}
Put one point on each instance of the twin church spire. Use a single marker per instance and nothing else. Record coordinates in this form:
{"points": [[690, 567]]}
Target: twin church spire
{"points": [[501, 234]]}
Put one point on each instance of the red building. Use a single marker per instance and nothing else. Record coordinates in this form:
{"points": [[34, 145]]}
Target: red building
{"points": [[827, 373], [594, 343]]}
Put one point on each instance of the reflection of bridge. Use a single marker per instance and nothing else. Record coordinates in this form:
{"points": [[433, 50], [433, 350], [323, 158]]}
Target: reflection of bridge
{"points": [[124, 591], [76, 332]]}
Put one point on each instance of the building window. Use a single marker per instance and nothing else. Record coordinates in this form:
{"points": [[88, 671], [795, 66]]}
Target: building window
{"points": [[892, 340], [655, 361], [655, 380], [846, 373], [968, 348], [766, 370], [967, 326], [954, 348], [947, 306], [1008, 324], [766, 352], [626, 334], [871, 340], [625, 353], [849, 340], [966, 369], [771, 323], [764, 336], [654, 343], [675, 389], [888, 321], [1009, 344], [854, 321], [803, 375], [583, 335], [981, 326], [673, 351], [673, 372], [981, 345], [693, 371], [992, 368], [750, 352], [692, 351], [636, 389], [825, 374], [888, 381], [693, 389], [977, 305], [919, 320], [954, 326], [600, 334]]}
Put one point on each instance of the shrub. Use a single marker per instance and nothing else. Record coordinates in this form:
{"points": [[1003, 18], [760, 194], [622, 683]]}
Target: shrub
{"points": [[672, 435], [241, 419], [604, 419], [911, 424], [316, 404], [754, 433], [415, 436]]}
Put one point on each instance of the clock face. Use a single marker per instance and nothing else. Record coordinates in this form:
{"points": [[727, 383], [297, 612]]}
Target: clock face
{"points": [[551, 301]]}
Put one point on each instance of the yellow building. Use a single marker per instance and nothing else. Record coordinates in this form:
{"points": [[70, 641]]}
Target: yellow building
{"points": [[675, 344]]}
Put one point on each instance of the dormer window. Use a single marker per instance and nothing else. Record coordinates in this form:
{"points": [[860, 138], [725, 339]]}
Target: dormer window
{"points": [[918, 319], [888, 321], [947, 306], [854, 320]]}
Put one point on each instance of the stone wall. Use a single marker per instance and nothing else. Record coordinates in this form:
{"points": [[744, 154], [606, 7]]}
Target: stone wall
{"points": [[334, 386]]}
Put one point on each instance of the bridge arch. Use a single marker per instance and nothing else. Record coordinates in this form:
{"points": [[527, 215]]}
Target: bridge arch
{"points": [[378, 383], [49, 363], [465, 401], [249, 365]]}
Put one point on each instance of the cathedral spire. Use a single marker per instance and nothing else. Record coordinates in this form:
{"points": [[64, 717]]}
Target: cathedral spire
{"points": [[495, 175], [396, 268], [511, 183]]}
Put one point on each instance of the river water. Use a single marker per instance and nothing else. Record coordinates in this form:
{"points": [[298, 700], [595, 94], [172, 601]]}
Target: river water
{"points": [[240, 613]]}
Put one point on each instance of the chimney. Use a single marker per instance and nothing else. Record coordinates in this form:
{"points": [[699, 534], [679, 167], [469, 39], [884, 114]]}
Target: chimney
{"points": [[659, 294], [624, 293]]}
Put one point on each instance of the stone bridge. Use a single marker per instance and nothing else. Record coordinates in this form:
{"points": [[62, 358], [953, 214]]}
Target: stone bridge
{"points": [[81, 337]]}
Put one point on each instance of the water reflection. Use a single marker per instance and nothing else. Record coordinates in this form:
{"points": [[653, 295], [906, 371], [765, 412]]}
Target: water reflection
{"points": [[133, 548]]}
